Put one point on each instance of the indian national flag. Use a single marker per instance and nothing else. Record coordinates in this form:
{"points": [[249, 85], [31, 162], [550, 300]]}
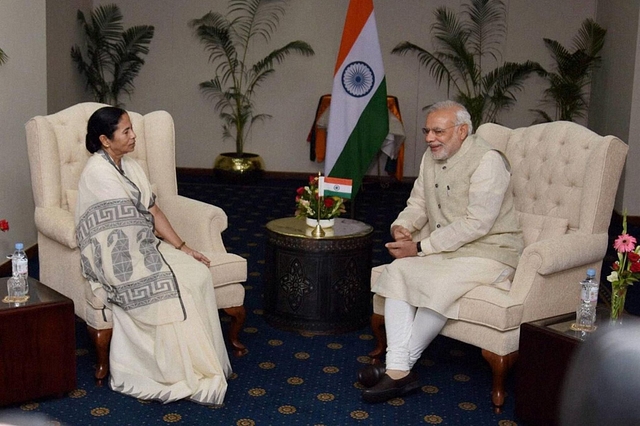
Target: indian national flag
{"points": [[330, 186], [358, 118]]}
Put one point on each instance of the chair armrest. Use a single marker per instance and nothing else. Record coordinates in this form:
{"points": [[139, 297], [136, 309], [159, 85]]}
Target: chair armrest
{"points": [[565, 252], [199, 224], [546, 280], [57, 224]]}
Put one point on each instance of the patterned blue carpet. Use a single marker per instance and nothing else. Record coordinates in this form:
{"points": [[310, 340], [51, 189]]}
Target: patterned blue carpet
{"points": [[288, 378]]}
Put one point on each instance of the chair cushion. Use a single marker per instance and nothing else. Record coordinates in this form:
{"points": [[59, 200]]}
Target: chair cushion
{"points": [[537, 228], [227, 268], [490, 306]]}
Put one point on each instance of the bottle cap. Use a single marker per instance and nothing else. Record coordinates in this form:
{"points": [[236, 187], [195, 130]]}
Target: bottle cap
{"points": [[19, 246], [591, 272]]}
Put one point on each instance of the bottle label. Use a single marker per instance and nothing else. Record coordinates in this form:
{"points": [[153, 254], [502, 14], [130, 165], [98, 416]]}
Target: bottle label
{"points": [[20, 266], [589, 293], [584, 294]]}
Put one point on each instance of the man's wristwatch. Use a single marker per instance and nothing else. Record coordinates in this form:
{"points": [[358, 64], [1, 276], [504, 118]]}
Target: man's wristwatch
{"points": [[419, 247]]}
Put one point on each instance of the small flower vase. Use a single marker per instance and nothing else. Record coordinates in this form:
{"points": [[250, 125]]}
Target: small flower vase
{"points": [[324, 223], [618, 296]]}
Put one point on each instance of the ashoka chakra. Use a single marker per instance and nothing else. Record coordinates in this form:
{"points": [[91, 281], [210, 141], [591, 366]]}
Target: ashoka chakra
{"points": [[358, 79]]}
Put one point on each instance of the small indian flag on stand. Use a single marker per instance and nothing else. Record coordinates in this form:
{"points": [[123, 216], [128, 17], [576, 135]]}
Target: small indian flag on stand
{"points": [[331, 186]]}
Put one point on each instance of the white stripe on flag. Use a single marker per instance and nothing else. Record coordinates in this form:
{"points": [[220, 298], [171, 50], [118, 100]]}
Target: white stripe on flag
{"points": [[337, 187]]}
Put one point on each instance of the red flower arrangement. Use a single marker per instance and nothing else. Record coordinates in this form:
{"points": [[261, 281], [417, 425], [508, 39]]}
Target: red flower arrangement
{"points": [[626, 270], [307, 201], [4, 225]]}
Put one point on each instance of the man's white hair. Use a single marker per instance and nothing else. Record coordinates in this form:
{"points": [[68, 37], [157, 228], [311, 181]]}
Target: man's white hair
{"points": [[462, 115]]}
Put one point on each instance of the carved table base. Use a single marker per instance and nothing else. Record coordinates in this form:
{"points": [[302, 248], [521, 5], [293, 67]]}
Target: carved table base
{"points": [[318, 285]]}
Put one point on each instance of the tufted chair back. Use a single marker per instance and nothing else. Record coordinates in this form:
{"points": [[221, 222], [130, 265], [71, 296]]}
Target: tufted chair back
{"points": [[558, 171]]}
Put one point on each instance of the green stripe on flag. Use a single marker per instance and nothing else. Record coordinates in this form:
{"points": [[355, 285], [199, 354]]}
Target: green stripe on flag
{"points": [[339, 193], [365, 140]]}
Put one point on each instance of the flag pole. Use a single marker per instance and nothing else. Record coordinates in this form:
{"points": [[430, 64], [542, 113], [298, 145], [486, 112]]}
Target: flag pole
{"points": [[318, 232]]}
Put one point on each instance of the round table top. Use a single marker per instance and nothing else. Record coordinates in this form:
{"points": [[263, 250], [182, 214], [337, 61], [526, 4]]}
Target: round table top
{"points": [[297, 227]]}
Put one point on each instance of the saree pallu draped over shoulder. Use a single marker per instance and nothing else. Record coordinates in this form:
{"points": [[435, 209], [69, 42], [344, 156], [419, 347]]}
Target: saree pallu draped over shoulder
{"points": [[167, 342]]}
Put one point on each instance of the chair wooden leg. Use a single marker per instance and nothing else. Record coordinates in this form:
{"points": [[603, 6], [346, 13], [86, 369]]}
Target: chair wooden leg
{"points": [[500, 365], [238, 315], [101, 340], [377, 325]]}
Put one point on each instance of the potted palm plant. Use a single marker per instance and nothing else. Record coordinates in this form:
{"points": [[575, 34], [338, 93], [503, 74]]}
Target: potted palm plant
{"points": [[227, 39], [465, 46], [3, 57], [568, 85], [114, 56]]}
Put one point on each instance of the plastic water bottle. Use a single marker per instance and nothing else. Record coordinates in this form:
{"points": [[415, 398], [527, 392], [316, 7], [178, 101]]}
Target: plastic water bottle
{"points": [[20, 265], [586, 312]]}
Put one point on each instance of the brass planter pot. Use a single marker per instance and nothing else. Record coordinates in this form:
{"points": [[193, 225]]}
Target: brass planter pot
{"points": [[231, 167]]}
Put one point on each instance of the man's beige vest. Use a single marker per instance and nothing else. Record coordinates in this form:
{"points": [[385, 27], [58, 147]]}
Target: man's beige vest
{"points": [[446, 188]]}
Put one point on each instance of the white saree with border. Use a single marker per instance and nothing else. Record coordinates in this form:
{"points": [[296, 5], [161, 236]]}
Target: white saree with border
{"points": [[167, 342]]}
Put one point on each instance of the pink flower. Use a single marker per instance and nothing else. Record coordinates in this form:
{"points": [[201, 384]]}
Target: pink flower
{"points": [[4, 225], [625, 243]]}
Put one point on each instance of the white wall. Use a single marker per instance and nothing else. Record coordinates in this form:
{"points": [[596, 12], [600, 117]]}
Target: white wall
{"points": [[615, 106], [177, 63], [23, 94], [65, 85]]}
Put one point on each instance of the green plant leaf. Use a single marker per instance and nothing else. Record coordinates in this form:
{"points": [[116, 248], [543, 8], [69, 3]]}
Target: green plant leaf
{"points": [[486, 27], [3, 57], [112, 56], [227, 40], [463, 44], [567, 91]]}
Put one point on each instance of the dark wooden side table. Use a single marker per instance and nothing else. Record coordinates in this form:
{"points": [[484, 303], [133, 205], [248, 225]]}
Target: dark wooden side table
{"points": [[318, 285], [37, 345], [546, 349]]}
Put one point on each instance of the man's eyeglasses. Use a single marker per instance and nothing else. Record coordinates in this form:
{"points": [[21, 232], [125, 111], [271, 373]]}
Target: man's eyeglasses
{"points": [[438, 131]]}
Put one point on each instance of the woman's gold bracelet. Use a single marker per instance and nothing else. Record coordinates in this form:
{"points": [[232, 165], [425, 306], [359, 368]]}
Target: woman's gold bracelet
{"points": [[181, 245]]}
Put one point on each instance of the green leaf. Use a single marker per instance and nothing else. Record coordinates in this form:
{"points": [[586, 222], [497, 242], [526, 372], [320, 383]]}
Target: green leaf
{"points": [[463, 43], [227, 39], [111, 57], [567, 91]]}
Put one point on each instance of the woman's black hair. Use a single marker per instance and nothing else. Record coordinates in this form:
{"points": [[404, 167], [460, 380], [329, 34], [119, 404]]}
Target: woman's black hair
{"points": [[102, 122]]}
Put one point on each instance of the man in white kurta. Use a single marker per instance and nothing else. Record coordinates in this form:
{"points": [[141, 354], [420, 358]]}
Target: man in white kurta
{"points": [[462, 202]]}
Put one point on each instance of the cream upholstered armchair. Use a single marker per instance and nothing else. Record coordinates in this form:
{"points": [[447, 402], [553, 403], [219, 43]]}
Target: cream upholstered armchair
{"points": [[564, 181], [57, 155]]}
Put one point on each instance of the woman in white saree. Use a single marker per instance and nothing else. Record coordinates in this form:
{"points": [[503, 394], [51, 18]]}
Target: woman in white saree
{"points": [[167, 342]]}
